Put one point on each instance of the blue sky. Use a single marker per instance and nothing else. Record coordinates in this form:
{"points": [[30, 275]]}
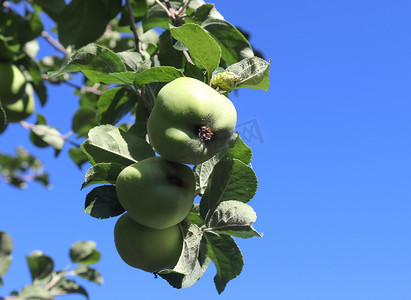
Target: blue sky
{"points": [[333, 165]]}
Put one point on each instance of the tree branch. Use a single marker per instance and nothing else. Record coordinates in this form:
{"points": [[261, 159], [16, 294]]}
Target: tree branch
{"points": [[54, 42], [82, 88], [133, 26]]}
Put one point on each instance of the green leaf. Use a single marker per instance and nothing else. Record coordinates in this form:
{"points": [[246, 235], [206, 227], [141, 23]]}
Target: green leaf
{"points": [[83, 120], [82, 22], [88, 273], [198, 5], [191, 247], [22, 28], [203, 48], [6, 243], [134, 61], [92, 57], [193, 71], [49, 135], [202, 173], [201, 14], [234, 46], [230, 180], [34, 74], [253, 72], [193, 217], [5, 263], [3, 120], [239, 151], [157, 74], [102, 173], [84, 252], [102, 202], [34, 292], [78, 156], [233, 149], [52, 8], [67, 286], [41, 267], [87, 99], [6, 247], [233, 218], [139, 128], [181, 281], [140, 7], [167, 55], [9, 49], [110, 78], [178, 280], [113, 7], [35, 139], [43, 179], [114, 104], [226, 256], [107, 143]]}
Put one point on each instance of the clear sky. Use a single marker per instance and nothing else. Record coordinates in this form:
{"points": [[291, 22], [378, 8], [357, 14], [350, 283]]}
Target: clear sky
{"points": [[331, 144]]}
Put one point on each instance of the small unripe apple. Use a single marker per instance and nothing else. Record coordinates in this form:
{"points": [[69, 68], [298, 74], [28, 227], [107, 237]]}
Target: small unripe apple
{"points": [[190, 121], [156, 192], [22, 108], [146, 248], [12, 83]]}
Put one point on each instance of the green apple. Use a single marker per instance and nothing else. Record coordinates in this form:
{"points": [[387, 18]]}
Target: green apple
{"points": [[22, 108], [156, 192], [12, 83], [190, 121], [146, 248]]}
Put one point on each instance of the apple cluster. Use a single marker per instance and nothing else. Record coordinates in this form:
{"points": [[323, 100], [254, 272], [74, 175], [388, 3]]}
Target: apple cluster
{"points": [[190, 123], [16, 95]]}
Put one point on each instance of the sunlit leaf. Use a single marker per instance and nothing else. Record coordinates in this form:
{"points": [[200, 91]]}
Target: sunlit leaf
{"points": [[84, 252], [253, 72], [202, 47], [107, 143]]}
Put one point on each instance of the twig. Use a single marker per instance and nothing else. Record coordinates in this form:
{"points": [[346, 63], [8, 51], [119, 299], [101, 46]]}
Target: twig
{"points": [[82, 88], [170, 9], [91, 89], [188, 57], [55, 278], [180, 12], [54, 42], [133, 26], [166, 10]]}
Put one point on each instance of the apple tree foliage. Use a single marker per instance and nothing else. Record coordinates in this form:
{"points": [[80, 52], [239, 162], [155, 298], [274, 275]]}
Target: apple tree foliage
{"points": [[125, 51]]}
